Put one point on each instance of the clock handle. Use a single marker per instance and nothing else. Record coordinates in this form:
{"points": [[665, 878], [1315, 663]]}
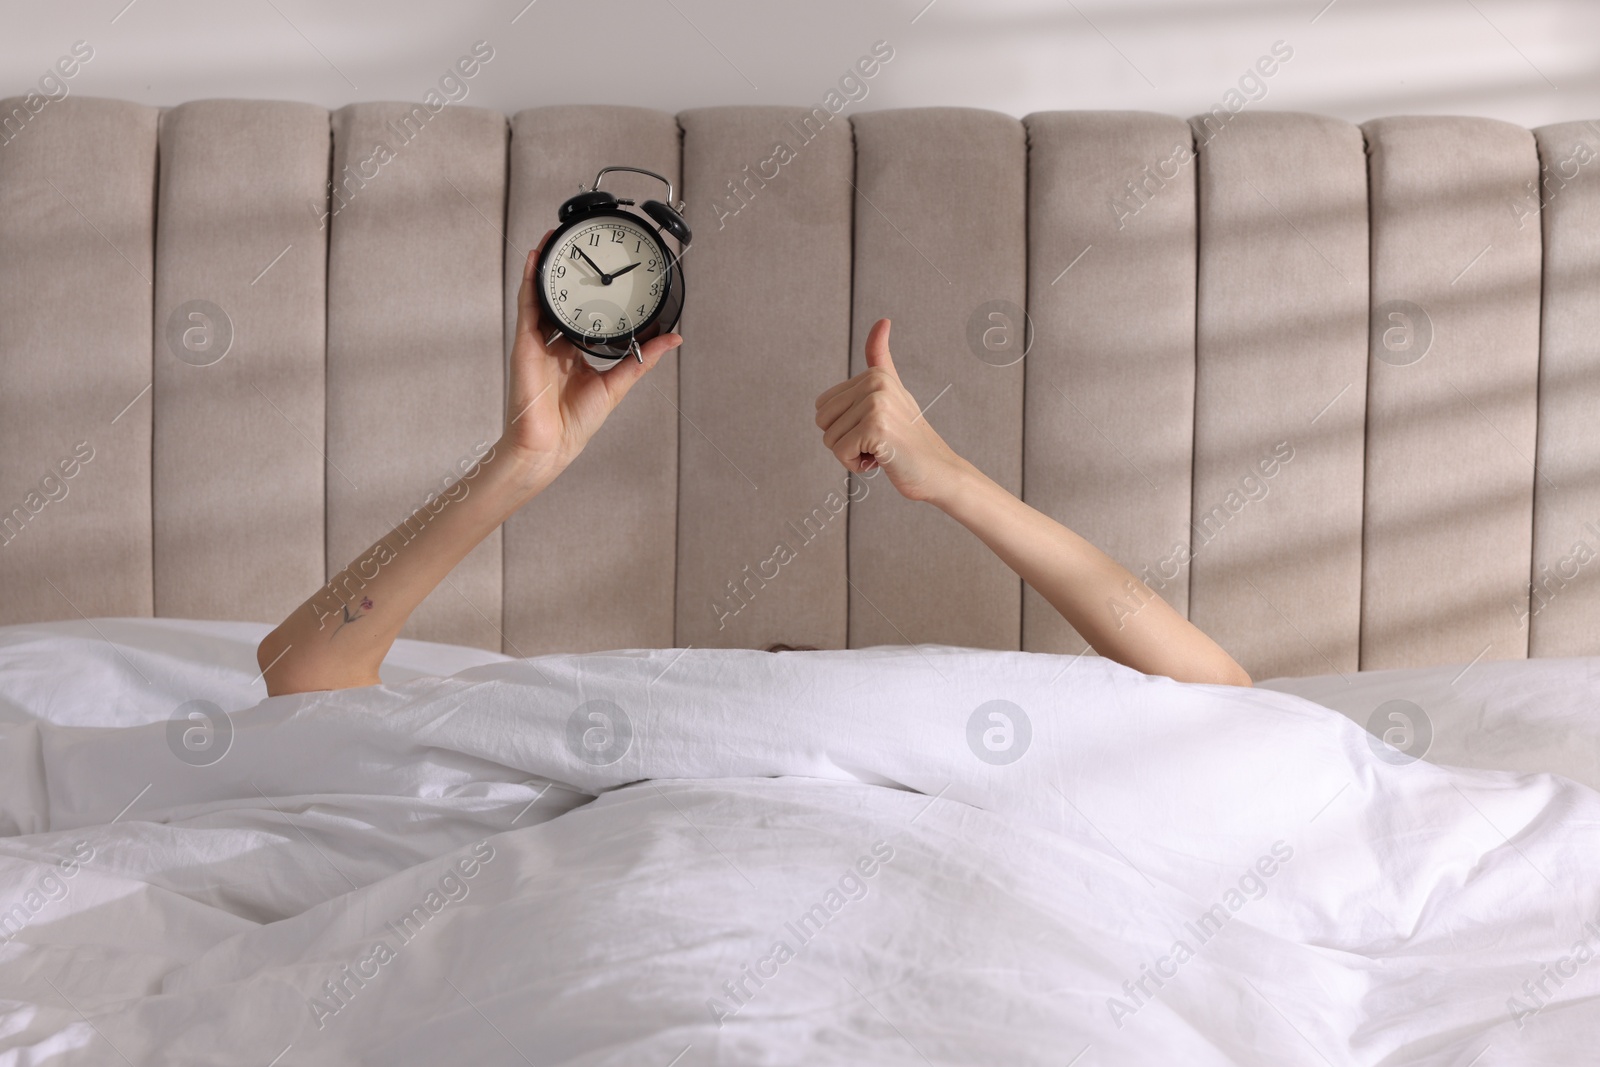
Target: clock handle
{"points": [[635, 170]]}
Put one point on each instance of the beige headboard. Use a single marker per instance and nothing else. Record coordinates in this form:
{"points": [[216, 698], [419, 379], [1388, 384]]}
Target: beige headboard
{"points": [[1399, 321]]}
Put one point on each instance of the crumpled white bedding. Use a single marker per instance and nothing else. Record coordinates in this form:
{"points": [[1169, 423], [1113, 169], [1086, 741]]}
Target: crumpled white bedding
{"points": [[839, 857]]}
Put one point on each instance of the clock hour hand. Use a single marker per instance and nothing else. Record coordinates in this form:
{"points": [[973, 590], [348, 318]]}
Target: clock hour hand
{"points": [[605, 279], [625, 270]]}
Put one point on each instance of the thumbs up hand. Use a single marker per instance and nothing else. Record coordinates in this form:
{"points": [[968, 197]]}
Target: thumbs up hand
{"points": [[872, 420]]}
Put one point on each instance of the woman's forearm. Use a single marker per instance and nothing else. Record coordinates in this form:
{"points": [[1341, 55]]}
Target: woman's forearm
{"points": [[340, 635], [1120, 616]]}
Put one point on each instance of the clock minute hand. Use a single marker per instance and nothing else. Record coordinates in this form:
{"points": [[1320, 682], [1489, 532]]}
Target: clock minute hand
{"points": [[624, 270], [605, 279]]}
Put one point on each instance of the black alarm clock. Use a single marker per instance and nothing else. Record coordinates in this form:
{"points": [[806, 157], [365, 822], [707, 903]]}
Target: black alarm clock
{"points": [[607, 279]]}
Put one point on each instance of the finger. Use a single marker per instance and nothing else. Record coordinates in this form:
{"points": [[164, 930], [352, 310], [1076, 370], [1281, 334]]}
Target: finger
{"points": [[846, 422], [621, 378], [849, 458], [857, 451], [877, 356], [862, 446], [842, 402], [878, 347], [882, 457], [834, 390]]}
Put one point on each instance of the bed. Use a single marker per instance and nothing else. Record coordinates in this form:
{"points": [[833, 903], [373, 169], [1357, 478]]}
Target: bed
{"points": [[731, 856], [1329, 388]]}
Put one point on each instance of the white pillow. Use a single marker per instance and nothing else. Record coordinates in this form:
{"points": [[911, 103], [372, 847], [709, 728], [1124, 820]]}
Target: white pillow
{"points": [[1522, 715], [115, 672]]}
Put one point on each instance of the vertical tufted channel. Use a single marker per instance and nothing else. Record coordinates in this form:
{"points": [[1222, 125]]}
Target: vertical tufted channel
{"points": [[589, 563], [1279, 391], [415, 337], [761, 504], [1109, 429], [1564, 601], [1452, 392], [240, 294], [940, 235], [77, 227]]}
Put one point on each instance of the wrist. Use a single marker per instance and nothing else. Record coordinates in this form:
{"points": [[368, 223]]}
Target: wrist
{"points": [[962, 481], [528, 471]]}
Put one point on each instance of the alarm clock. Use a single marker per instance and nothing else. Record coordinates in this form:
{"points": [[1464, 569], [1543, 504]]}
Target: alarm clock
{"points": [[606, 278]]}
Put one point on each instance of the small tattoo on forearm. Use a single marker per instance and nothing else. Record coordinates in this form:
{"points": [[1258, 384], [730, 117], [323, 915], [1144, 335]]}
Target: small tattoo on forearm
{"points": [[366, 605]]}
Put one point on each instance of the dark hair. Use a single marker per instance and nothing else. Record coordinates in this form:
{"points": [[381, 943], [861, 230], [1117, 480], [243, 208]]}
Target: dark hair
{"points": [[791, 648]]}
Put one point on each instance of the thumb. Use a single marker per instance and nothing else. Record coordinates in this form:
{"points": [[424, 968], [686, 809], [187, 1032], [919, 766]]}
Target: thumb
{"points": [[878, 347]]}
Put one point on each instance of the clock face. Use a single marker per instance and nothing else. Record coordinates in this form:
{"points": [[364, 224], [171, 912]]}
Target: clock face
{"points": [[606, 278]]}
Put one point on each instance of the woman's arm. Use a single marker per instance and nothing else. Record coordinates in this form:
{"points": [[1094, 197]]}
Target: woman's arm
{"points": [[554, 404], [871, 420]]}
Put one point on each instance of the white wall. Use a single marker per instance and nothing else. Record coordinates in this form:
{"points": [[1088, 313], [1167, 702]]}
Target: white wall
{"points": [[1527, 61]]}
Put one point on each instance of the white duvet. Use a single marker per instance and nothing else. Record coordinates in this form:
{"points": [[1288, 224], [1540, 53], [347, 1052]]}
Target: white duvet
{"points": [[890, 856]]}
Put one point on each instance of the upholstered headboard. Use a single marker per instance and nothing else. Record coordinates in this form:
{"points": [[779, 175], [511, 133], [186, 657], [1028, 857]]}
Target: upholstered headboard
{"points": [[1335, 390]]}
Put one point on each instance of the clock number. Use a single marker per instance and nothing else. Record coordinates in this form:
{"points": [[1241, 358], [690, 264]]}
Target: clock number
{"points": [[597, 325], [572, 252], [594, 239], [561, 297], [641, 309], [651, 267], [638, 245], [622, 322], [561, 270], [616, 237], [655, 288]]}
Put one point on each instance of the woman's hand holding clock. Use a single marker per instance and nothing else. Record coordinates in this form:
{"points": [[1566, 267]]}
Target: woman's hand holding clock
{"points": [[555, 401]]}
